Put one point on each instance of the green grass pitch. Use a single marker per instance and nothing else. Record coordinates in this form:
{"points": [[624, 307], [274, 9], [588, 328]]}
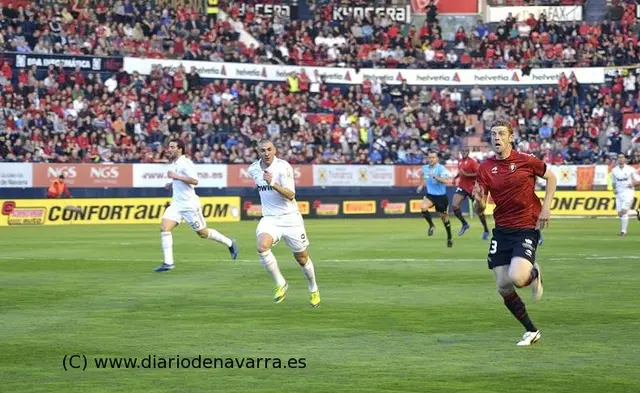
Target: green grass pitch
{"points": [[400, 311]]}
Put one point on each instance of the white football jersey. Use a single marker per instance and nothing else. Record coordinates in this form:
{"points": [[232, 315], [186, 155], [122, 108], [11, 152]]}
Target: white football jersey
{"points": [[624, 177], [274, 204], [184, 194]]}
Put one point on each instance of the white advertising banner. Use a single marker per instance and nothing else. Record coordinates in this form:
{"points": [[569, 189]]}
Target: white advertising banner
{"points": [[349, 76], [16, 175], [155, 175], [521, 14], [490, 77], [353, 176], [566, 175], [257, 72], [601, 175]]}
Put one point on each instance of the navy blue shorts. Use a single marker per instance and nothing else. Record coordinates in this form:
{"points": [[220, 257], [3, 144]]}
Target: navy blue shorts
{"points": [[464, 194], [508, 243]]}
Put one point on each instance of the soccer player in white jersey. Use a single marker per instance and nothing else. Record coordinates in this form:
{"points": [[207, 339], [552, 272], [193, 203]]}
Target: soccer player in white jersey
{"points": [[625, 179], [185, 205], [280, 219]]}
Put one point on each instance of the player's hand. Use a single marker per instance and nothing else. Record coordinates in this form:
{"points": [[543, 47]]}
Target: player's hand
{"points": [[168, 186], [543, 220], [477, 192], [173, 175], [268, 177]]}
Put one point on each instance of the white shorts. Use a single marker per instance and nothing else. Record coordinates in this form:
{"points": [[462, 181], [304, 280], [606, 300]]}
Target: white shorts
{"points": [[624, 200], [193, 216], [290, 227]]}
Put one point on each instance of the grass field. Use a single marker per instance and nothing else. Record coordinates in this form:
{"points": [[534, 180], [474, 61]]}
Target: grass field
{"points": [[400, 311]]}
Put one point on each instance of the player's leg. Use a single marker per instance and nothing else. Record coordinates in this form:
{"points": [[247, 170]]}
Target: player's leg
{"points": [[296, 238], [267, 236], [458, 198], [624, 221], [199, 225], [442, 206], [500, 260], [514, 304], [623, 205], [523, 270], [170, 220], [304, 260], [424, 207]]}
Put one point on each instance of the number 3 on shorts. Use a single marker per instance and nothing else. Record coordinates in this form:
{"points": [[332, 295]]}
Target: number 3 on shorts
{"points": [[494, 247]]}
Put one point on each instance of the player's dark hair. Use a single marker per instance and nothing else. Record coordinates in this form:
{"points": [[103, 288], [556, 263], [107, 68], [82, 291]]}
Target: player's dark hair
{"points": [[180, 145], [503, 123], [265, 140]]}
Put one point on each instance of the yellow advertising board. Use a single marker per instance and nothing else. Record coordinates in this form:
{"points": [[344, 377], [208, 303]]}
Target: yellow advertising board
{"points": [[23, 212]]}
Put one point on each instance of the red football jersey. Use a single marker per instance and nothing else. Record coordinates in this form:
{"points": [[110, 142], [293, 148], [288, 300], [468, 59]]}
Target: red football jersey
{"points": [[468, 165], [512, 184]]}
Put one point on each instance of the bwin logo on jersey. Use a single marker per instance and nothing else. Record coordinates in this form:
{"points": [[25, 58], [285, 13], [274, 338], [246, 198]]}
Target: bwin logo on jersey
{"points": [[265, 188]]}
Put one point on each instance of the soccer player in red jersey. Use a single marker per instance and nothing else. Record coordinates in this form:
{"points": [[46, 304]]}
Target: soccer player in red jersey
{"points": [[510, 177], [467, 172]]}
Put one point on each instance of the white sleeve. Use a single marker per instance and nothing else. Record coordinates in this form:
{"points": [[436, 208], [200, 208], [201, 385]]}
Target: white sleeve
{"points": [[287, 179], [190, 170], [635, 177]]}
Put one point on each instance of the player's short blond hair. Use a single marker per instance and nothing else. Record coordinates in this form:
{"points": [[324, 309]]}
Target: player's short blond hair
{"points": [[503, 123]]}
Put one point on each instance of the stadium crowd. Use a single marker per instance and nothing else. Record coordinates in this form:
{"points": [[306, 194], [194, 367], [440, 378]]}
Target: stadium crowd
{"points": [[63, 116], [137, 29]]}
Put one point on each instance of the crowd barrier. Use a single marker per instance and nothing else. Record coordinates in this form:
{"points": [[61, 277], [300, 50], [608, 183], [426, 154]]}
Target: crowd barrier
{"points": [[353, 76], [330, 75], [40, 175], [38, 212]]}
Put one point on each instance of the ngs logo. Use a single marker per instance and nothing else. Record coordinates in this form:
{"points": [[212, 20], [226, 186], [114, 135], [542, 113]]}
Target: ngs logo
{"points": [[104, 172], [69, 172]]}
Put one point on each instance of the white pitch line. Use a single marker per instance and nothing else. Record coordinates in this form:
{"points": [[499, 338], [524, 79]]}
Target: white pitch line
{"points": [[591, 257]]}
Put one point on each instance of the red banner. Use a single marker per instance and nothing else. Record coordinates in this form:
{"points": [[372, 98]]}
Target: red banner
{"points": [[630, 122], [446, 6], [84, 175], [411, 176], [238, 176]]}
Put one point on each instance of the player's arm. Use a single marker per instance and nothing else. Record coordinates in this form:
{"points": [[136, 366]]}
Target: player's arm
{"points": [[549, 191], [635, 179], [285, 185], [191, 176], [421, 186], [480, 192], [443, 175], [66, 192], [480, 195]]}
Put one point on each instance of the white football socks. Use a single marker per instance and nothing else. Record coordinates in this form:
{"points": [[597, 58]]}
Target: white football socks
{"points": [[310, 274], [219, 237], [268, 260], [625, 222], [167, 247]]}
